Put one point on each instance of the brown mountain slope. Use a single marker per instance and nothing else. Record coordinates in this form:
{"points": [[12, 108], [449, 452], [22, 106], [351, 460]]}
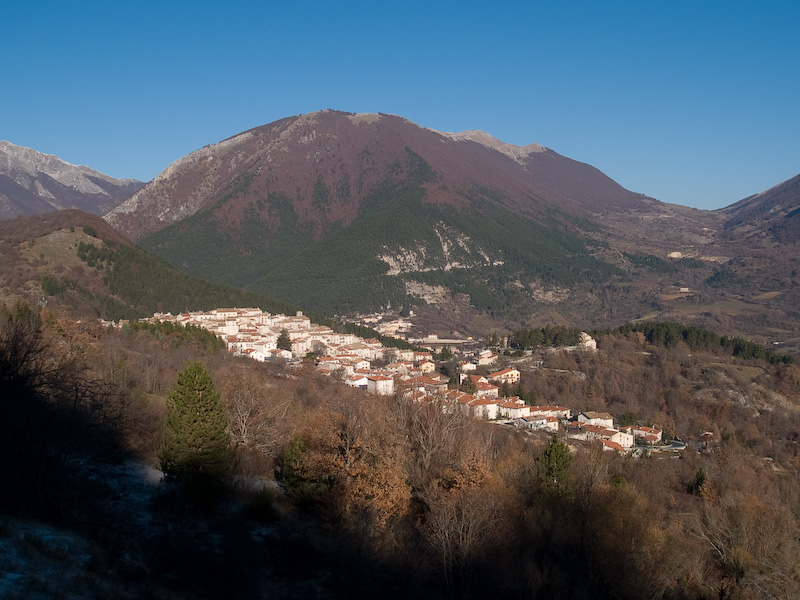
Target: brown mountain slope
{"points": [[328, 162], [46, 245], [771, 216]]}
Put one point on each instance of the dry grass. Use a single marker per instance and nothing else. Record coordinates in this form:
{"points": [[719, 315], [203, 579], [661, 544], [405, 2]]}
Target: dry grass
{"points": [[768, 295], [740, 373], [60, 247]]}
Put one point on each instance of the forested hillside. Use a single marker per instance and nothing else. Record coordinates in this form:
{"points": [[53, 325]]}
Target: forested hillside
{"points": [[341, 270], [75, 259], [340, 494]]}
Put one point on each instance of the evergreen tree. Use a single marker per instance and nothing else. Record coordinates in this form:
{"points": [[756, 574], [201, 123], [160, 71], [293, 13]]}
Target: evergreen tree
{"points": [[284, 341], [196, 449], [469, 387], [555, 465]]}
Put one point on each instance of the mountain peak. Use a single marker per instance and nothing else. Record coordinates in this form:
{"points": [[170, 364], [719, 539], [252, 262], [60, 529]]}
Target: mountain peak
{"points": [[518, 153], [325, 164], [32, 182], [22, 159]]}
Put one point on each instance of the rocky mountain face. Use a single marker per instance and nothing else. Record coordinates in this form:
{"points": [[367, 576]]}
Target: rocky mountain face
{"points": [[33, 183], [344, 213]]}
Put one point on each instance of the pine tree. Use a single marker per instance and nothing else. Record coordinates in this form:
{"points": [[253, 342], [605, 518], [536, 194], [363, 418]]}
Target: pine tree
{"points": [[196, 449], [284, 341], [555, 466]]}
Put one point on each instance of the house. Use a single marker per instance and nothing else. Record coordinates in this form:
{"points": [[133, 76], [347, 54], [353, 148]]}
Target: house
{"points": [[487, 357], [559, 412], [328, 361], [597, 432], [612, 446], [422, 356], [485, 407], [600, 419], [399, 367], [476, 379], [225, 313], [650, 435], [404, 355], [277, 354], [358, 380], [487, 389], [380, 384], [431, 385], [359, 349], [514, 408], [460, 399], [301, 346], [427, 366], [358, 364], [261, 354], [539, 422], [505, 376]]}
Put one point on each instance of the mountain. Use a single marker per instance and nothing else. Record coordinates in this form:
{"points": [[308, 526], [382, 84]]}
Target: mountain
{"points": [[771, 216], [350, 212], [33, 183], [328, 163], [345, 213]]}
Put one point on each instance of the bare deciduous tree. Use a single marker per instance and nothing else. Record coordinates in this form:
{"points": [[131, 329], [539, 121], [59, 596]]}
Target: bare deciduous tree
{"points": [[253, 405]]}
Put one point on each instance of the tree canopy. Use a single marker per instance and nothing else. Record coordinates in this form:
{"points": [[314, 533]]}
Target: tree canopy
{"points": [[196, 448]]}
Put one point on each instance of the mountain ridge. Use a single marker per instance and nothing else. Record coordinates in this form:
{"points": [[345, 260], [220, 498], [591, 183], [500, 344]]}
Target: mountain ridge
{"points": [[329, 137], [32, 182], [772, 215]]}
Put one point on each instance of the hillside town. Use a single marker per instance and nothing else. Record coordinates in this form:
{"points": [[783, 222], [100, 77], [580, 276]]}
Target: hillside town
{"points": [[412, 374]]}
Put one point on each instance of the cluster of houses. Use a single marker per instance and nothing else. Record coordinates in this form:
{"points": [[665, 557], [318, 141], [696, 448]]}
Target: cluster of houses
{"points": [[253, 333], [589, 426], [411, 374]]}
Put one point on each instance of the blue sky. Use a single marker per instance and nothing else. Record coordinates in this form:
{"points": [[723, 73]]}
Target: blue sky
{"points": [[691, 102]]}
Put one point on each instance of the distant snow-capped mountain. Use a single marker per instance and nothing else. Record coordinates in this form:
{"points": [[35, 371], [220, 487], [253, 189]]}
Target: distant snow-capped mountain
{"points": [[32, 182]]}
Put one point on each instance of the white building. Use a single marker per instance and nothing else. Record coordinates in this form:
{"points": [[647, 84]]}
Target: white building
{"points": [[600, 419], [505, 376], [380, 384]]}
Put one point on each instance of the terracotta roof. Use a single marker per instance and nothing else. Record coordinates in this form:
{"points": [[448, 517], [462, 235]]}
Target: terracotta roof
{"points": [[487, 401], [612, 445]]}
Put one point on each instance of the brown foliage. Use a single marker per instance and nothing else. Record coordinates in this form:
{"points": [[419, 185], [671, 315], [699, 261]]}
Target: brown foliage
{"points": [[637, 555], [787, 381], [355, 444], [755, 543], [436, 433], [466, 525]]}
